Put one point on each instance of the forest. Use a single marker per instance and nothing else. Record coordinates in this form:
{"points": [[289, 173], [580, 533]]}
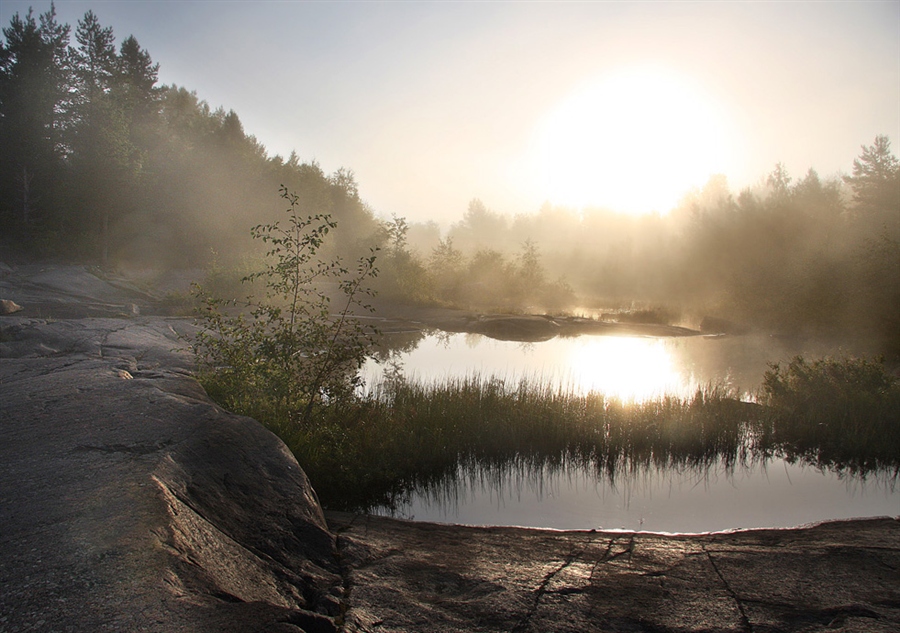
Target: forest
{"points": [[100, 164]]}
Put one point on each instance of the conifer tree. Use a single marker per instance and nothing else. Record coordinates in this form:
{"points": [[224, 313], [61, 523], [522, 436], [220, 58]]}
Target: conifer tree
{"points": [[876, 186], [34, 87], [105, 158]]}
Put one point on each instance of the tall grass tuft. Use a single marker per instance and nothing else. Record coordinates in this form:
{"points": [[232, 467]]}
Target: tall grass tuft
{"points": [[406, 435]]}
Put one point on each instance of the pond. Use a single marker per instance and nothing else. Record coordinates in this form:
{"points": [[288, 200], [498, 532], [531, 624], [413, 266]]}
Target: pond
{"points": [[769, 493]]}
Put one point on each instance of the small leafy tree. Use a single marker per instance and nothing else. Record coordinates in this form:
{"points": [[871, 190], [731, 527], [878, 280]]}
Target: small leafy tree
{"points": [[280, 357], [403, 276]]}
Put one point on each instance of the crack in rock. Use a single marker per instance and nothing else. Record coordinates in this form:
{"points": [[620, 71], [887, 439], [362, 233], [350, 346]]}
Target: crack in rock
{"points": [[134, 449], [525, 623], [831, 617], [745, 621]]}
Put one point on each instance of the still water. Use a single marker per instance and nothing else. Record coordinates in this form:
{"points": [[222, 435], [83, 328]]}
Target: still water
{"points": [[628, 367], [775, 494], [770, 494]]}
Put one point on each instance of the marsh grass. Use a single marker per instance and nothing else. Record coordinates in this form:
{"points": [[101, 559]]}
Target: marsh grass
{"points": [[408, 436], [375, 449]]}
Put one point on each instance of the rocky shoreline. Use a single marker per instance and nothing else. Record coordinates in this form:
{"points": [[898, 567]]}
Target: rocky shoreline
{"points": [[131, 502]]}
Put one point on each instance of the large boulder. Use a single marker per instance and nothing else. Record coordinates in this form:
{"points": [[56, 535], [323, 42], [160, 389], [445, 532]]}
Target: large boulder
{"points": [[526, 328]]}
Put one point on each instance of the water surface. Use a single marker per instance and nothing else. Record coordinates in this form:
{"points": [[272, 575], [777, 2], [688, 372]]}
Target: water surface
{"points": [[774, 494], [769, 494], [628, 367]]}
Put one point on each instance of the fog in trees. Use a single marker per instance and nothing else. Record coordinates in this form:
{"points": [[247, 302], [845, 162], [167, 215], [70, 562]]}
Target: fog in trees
{"points": [[799, 256], [101, 164]]}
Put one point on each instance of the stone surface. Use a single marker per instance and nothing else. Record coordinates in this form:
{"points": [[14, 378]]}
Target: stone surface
{"points": [[62, 292], [716, 325], [130, 502], [406, 576], [8, 307], [505, 327]]}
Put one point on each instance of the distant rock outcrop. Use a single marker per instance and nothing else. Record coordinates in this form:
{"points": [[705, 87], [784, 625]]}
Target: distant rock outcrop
{"points": [[716, 325]]}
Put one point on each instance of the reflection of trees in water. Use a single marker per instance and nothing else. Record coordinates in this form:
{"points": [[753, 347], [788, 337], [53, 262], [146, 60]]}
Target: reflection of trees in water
{"points": [[738, 362], [394, 345], [734, 362], [472, 340], [518, 480], [543, 478]]}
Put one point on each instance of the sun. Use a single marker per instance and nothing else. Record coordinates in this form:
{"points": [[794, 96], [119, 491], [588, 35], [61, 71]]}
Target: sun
{"points": [[633, 141]]}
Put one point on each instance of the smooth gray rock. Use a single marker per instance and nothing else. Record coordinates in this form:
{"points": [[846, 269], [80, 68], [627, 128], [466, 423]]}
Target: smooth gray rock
{"points": [[131, 502], [64, 292], [407, 576]]}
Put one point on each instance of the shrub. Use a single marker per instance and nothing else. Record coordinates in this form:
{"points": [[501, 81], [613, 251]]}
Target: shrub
{"points": [[279, 357], [834, 412]]}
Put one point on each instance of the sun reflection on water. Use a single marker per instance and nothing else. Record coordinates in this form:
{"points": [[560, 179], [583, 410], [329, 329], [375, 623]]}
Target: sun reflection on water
{"points": [[634, 369], [769, 492], [629, 368]]}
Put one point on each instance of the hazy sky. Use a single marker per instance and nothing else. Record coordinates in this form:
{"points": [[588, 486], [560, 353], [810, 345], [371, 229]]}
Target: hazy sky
{"points": [[434, 103]]}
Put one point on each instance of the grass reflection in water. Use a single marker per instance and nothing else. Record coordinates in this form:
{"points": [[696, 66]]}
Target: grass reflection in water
{"points": [[407, 436]]}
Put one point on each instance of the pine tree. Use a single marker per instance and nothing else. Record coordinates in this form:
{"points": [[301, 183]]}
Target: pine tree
{"points": [[105, 159], [876, 187], [94, 59], [137, 76], [34, 82]]}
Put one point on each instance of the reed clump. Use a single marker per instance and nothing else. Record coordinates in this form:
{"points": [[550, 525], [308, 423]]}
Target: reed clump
{"points": [[407, 435], [842, 415]]}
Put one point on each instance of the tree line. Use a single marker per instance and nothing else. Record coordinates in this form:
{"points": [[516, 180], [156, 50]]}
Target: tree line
{"points": [[811, 256], [101, 163]]}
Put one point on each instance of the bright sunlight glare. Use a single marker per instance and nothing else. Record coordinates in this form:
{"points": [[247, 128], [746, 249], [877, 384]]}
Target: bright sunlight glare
{"points": [[631, 369], [634, 141]]}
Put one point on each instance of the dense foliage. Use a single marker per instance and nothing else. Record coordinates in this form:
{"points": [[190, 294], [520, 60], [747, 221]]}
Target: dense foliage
{"points": [[842, 413]]}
